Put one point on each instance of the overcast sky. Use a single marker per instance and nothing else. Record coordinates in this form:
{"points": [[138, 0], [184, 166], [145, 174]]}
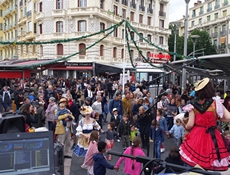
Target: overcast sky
{"points": [[177, 9]]}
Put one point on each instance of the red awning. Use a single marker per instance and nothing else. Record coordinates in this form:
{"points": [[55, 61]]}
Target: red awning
{"points": [[15, 74], [73, 68]]}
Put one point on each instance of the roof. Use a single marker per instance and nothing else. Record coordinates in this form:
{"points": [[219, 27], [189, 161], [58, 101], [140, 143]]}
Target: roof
{"points": [[217, 65]]}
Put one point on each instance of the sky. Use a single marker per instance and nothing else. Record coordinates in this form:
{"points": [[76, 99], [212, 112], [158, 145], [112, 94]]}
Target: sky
{"points": [[177, 9]]}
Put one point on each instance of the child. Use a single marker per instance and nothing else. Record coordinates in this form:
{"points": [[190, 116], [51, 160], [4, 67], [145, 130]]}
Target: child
{"points": [[109, 139], [159, 137], [100, 163], [116, 119], [97, 118], [178, 132], [163, 125], [131, 166], [92, 149], [133, 133], [124, 130]]}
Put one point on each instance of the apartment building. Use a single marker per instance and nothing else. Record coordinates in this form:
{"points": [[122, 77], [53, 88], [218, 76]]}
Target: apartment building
{"points": [[27, 28], [61, 19], [9, 27], [212, 16]]}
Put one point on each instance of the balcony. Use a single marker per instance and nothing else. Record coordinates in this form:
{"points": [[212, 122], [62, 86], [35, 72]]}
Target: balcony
{"points": [[162, 14], [9, 10], [142, 8], [58, 13], [201, 12], [124, 2], [30, 35], [29, 14], [225, 3], [215, 34], [223, 33], [150, 10], [60, 35], [132, 5], [217, 6], [222, 46], [194, 15], [39, 16], [209, 9]]}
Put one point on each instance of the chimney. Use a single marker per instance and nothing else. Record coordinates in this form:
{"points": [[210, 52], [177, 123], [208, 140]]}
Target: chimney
{"points": [[199, 2], [195, 4]]}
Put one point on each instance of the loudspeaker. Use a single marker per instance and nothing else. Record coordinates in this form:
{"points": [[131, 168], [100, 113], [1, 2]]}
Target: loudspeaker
{"points": [[58, 158], [12, 123]]}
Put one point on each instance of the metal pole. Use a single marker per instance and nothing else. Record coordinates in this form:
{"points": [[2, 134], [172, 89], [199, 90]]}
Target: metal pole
{"points": [[124, 58], [185, 45], [174, 56], [194, 49]]}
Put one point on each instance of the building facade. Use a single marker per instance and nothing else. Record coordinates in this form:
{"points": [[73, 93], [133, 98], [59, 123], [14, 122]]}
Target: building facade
{"points": [[9, 28], [1, 32], [212, 16]]}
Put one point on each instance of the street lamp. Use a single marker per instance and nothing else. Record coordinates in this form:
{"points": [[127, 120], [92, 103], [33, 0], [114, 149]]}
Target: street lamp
{"points": [[176, 25], [194, 40], [185, 45]]}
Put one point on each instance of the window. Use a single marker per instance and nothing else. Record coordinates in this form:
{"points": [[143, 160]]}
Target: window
{"points": [[21, 49], [114, 52], [82, 26], [224, 13], [115, 11], [161, 24], [21, 13], [140, 18], [29, 26], [102, 4], [141, 37], [34, 49], [122, 53], [82, 3], [132, 35], [102, 26], [41, 50], [208, 18], [40, 28], [59, 49], [192, 23], [142, 2], [101, 50], [82, 48], [123, 13], [200, 21], [217, 2], [224, 28], [201, 10], [132, 54], [161, 40], [115, 33], [193, 13], [59, 26], [40, 7], [59, 4], [35, 7], [27, 49], [149, 37], [216, 16], [123, 33], [148, 55], [216, 29], [35, 28], [161, 7], [149, 20], [131, 16]]}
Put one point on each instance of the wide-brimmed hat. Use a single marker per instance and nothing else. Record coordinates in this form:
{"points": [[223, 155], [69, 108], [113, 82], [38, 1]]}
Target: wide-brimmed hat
{"points": [[201, 84], [84, 110], [62, 100]]}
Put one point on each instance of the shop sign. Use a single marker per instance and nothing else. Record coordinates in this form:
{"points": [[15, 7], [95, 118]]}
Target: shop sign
{"points": [[77, 64]]}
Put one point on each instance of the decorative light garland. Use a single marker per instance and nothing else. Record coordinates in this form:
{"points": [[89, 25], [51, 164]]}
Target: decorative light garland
{"points": [[59, 41], [67, 57]]}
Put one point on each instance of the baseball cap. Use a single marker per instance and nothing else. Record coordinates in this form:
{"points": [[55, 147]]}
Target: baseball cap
{"points": [[115, 109]]}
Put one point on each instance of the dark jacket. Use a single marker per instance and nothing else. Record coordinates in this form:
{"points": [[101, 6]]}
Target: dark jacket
{"points": [[159, 134], [75, 111], [17, 101], [116, 121], [116, 104], [41, 116], [124, 128], [100, 164], [30, 119]]}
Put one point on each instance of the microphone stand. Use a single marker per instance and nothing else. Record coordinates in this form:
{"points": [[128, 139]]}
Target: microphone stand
{"points": [[150, 165]]}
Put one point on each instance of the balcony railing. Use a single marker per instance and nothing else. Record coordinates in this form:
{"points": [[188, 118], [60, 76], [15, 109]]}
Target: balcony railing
{"points": [[142, 8], [29, 13], [194, 15], [209, 9], [201, 12], [132, 5], [217, 6], [10, 9], [223, 33], [215, 34], [124, 2], [150, 10], [225, 3], [222, 46], [162, 13]]}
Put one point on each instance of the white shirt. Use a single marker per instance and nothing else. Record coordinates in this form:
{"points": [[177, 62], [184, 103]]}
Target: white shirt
{"points": [[90, 93]]}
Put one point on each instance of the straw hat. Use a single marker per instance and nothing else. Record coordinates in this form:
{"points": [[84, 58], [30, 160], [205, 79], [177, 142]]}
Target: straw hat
{"points": [[62, 100], [201, 84], [86, 110]]}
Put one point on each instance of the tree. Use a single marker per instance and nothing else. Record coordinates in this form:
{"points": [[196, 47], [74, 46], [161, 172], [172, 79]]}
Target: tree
{"points": [[203, 42]]}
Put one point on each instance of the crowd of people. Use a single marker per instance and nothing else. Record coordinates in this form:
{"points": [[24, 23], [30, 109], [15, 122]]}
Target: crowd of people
{"points": [[77, 110]]}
